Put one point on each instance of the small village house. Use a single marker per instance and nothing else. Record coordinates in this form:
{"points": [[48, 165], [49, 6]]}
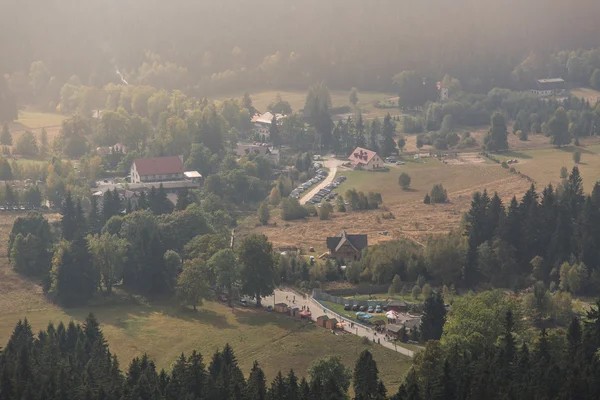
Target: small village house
{"points": [[346, 247], [295, 311], [262, 124], [157, 169], [394, 330], [365, 159], [322, 320], [281, 308], [269, 153]]}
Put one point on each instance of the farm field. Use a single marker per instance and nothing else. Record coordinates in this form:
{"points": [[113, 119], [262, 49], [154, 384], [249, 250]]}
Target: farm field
{"points": [[339, 98], [544, 165], [411, 218], [34, 120], [589, 94], [164, 330]]}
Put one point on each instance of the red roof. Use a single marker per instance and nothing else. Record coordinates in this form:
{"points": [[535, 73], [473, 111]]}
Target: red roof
{"points": [[159, 165], [362, 156]]}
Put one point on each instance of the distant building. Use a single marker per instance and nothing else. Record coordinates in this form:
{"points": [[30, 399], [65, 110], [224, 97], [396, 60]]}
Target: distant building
{"points": [[397, 305], [346, 247], [365, 159], [262, 124], [271, 154], [157, 169], [549, 87], [116, 148]]}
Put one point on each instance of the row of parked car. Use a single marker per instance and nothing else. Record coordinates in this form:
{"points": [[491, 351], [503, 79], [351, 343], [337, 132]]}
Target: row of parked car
{"points": [[321, 174], [14, 207], [326, 192], [377, 309]]}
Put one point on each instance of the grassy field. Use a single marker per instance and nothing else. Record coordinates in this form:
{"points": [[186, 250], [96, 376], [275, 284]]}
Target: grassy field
{"points": [[164, 330], [589, 94], [35, 120], [339, 98], [544, 165], [411, 218]]}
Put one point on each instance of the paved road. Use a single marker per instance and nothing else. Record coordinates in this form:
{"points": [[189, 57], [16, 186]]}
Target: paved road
{"points": [[291, 298], [332, 164]]}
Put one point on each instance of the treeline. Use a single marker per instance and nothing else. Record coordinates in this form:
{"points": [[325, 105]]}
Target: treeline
{"points": [[229, 52], [74, 362], [492, 357], [531, 115], [144, 251]]}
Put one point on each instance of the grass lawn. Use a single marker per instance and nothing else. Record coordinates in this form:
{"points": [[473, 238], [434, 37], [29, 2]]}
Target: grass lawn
{"points": [[35, 120], [544, 165]]}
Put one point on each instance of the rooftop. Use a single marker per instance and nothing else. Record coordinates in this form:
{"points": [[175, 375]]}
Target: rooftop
{"points": [[159, 165], [362, 156], [358, 242], [551, 80]]}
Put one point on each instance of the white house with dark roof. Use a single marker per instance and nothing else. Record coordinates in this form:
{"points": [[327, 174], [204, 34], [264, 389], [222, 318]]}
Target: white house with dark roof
{"points": [[157, 169]]}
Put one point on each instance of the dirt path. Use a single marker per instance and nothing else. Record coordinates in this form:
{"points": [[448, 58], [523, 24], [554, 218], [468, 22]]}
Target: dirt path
{"points": [[332, 164]]}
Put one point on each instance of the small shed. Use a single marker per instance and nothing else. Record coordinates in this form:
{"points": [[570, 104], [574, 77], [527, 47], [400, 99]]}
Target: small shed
{"points": [[331, 323], [281, 308], [295, 311], [322, 320], [394, 330]]}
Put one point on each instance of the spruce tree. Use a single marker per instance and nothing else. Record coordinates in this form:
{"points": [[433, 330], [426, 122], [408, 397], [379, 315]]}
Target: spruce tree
{"points": [[68, 222], [183, 199], [365, 378], [257, 389], [434, 317], [93, 220]]}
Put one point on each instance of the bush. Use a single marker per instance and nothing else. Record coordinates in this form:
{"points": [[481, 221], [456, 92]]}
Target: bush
{"points": [[291, 209], [404, 181], [504, 165], [439, 194], [324, 211], [427, 199]]}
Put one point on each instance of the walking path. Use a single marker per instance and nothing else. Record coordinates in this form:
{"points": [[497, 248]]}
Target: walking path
{"points": [[317, 309], [332, 164]]}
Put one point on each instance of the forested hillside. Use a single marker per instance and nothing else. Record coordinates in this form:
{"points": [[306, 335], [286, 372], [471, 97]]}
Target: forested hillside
{"points": [[237, 44]]}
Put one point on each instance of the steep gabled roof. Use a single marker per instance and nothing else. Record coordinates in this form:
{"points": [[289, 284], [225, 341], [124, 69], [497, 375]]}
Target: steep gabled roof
{"points": [[361, 156], [159, 165], [358, 242]]}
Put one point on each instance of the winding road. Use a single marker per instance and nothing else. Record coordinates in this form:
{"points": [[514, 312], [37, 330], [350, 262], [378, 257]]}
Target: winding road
{"points": [[332, 164]]}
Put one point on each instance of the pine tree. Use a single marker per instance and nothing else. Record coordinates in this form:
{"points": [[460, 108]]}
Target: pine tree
{"points": [[274, 134], [365, 378], [5, 136], [257, 389], [93, 220], [496, 138], [142, 203], [278, 388], [183, 199], [434, 317], [389, 129], [68, 222]]}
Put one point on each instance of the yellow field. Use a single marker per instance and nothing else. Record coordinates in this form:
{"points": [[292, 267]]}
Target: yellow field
{"points": [[544, 165], [34, 120], [412, 219], [164, 331]]}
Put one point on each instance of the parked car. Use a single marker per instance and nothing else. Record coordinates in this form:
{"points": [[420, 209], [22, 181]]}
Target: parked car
{"points": [[370, 309], [362, 308], [243, 303], [399, 162], [355, 307], [222, 298], [347, 307], [378, 308]]}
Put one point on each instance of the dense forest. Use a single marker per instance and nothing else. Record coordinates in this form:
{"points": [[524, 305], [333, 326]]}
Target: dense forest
{"points": [[239, 44]]}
